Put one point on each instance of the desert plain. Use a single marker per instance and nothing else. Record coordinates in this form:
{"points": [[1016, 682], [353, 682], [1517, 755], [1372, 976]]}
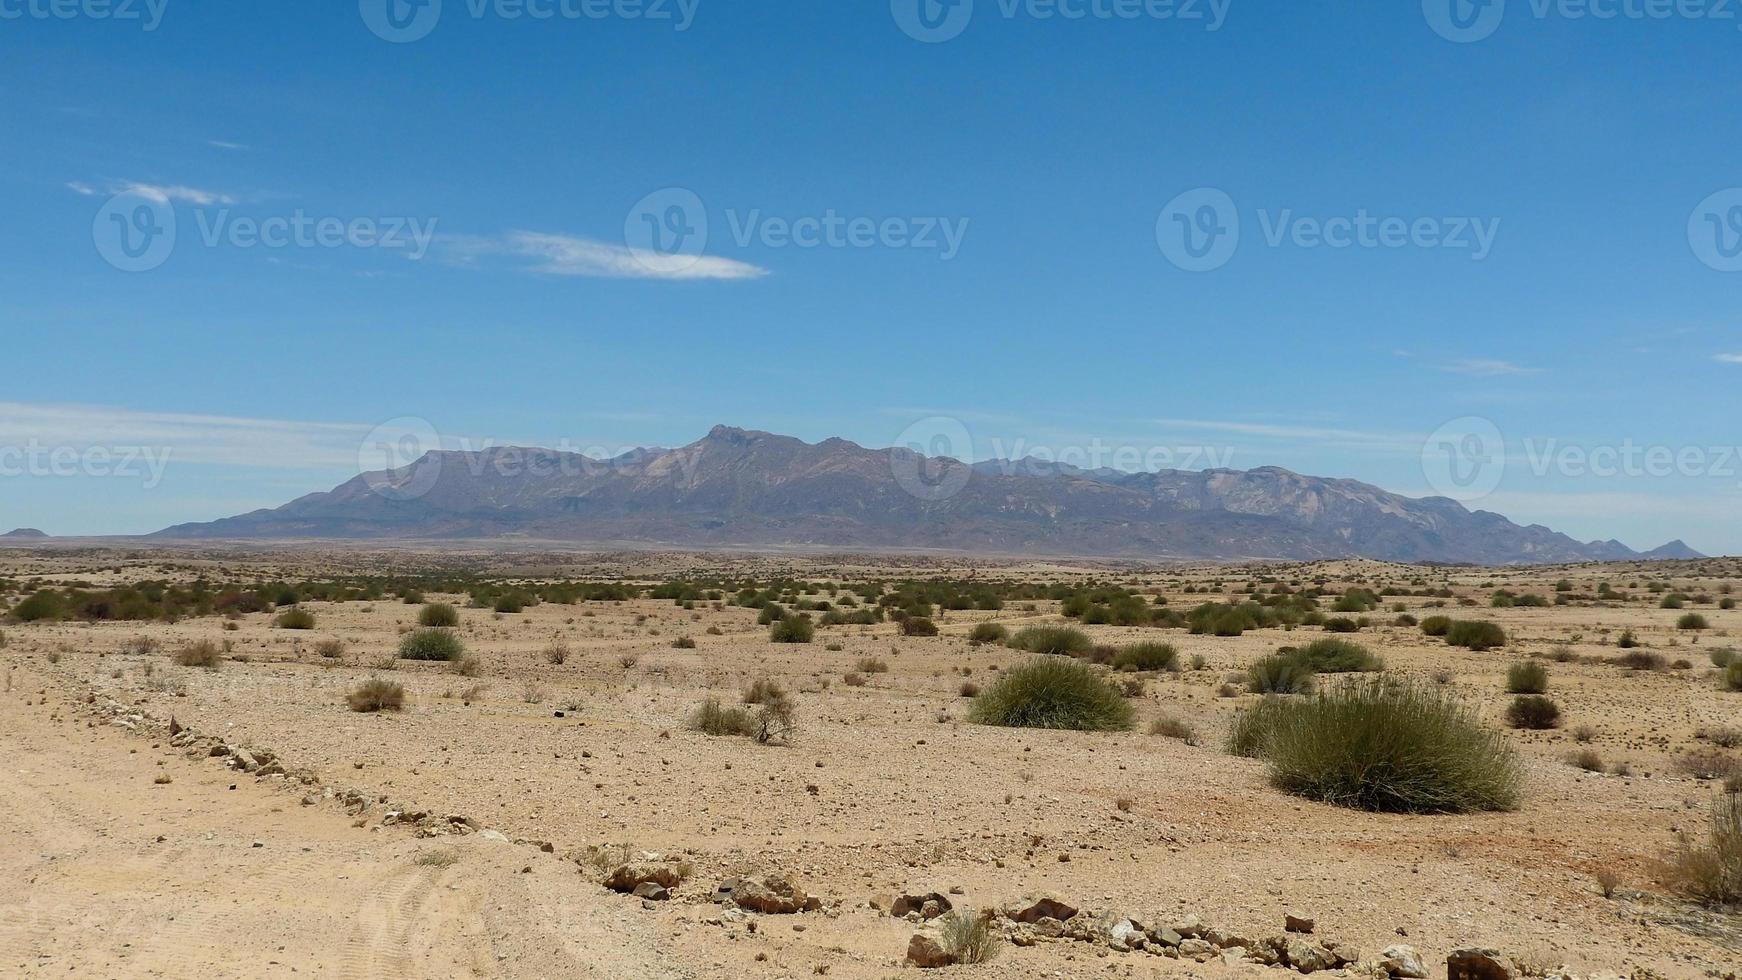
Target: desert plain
{"points": [[236, 818]]}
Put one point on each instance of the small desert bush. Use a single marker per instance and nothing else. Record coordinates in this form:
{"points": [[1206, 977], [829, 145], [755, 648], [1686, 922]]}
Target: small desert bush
{"points": [[200, 653], [871, 665], [1476, 635], [1279, 674], [330, 649], [774, 720], [1710, 871], [1052, 639], [1586, 759], [1526, 677], [918, 626], [1147, 656], [556, 654], [431, 644], [295, 619], [1170, 727], [1692, 621], [1337, 657], [1053, 693], [684, 643], [988, 633], [1731, 678], [466, 666], [792, 629], [1708, 764], [1436, 625], [970, 937], [1534, 712], [510, 603], [1640, 660], [853, 679], [1385, 746], [1627, 640], [1722, 657], [438, 615], [376, 694], [1341, 624], [763, 690]]}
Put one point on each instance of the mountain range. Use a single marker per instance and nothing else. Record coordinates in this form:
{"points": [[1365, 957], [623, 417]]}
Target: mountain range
{"points": [[736, 487]]}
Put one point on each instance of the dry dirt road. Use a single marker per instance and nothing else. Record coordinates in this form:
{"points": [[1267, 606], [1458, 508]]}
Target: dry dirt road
{"points": [[106, 871]]}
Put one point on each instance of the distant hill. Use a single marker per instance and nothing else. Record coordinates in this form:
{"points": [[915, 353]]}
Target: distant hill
{"points": [[737, 487], [24, 532]]}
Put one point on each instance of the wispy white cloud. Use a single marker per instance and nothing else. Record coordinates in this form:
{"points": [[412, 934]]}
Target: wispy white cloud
{"points": [[1727, 358], [205, 439], [161, 193], [1299, 433], [569, 255], [226, 145], [1488, 368]]}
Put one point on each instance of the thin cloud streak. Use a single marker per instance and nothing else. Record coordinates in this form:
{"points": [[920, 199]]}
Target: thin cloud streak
{"points": [[570, 255]]}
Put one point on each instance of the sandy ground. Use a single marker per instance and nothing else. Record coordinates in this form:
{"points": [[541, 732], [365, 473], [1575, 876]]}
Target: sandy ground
{"points": [[884, 788]]}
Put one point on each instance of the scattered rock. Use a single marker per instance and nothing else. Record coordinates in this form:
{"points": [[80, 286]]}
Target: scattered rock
{"points": [[773, 895], [1309, 957], [631, 876], [927, 906], [1402, 963], [1477, 964], [652, 890], [1035, 908], [1295, 922], [924, 952]]}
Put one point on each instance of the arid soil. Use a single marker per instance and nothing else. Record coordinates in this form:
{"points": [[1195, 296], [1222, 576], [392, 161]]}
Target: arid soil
{"points": [[130, 855]]}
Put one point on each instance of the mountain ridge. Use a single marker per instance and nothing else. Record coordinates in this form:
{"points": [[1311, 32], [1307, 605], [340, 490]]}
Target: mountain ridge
{"points": [[743, 487]]}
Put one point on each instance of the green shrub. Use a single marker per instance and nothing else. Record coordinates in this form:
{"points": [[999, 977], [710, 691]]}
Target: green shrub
{"points": [[1341, 624], [1330, 656], [1531, 711], [1147, 656], [510, 602], [1731, 679], [1436, 625], [988, 633], [1526, 677], [1055, 693], [1692, 621], [1723, 657], [1280, 674], [918, 626], [1404, 620], [1639, 660], [1060, 640], [970, 937], [376, 694], [1710, 871], [792, 629], [200, 653], [714, 718], [42, 605], [431, 644], [1627, 641], [437, 615], [295, 619], [1476, 635], [1252, 727], [1384, 746]]}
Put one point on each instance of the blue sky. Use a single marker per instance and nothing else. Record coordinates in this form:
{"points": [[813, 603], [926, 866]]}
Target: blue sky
{"points": [[993, 215]]}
